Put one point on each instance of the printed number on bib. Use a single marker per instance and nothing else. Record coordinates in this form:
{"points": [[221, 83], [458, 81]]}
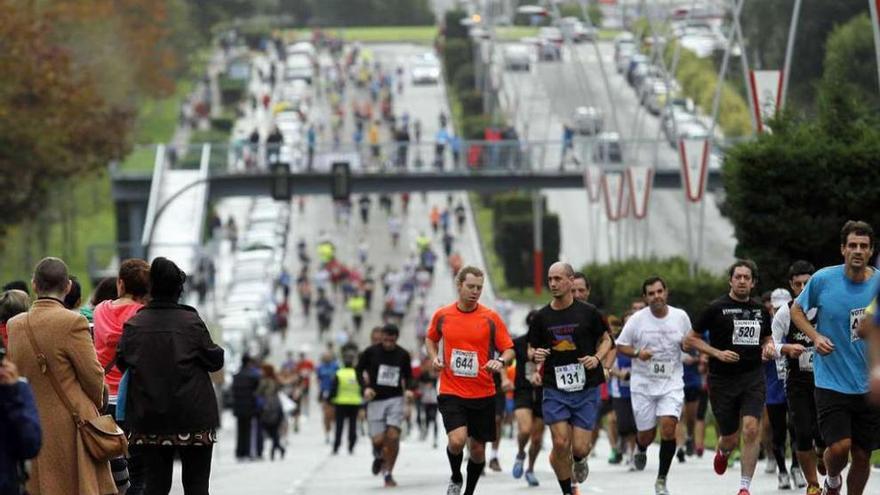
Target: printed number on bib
{"points": [[746, 332], [660, 369], [570, 377], [805, 360], [464, 363], [855, 319], [389, 376]]}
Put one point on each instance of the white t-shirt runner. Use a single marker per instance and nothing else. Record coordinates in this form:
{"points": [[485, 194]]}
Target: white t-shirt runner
{"points": [[664, 372]]}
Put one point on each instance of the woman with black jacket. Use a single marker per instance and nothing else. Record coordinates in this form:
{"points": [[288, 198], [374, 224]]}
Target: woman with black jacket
{"points": [[171, 408]]}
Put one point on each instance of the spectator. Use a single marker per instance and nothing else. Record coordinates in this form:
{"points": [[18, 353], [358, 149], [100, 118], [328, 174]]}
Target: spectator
{"points": [[18, 285], [171, 409], [109, 316], [63, 465], [244, 406], [12, 302], [271, 415], [73, 299], [20, 433]]}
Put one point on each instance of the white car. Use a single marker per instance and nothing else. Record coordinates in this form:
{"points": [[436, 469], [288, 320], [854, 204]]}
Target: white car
{"points": [[587, 120], [517, 57], [425, 73]]}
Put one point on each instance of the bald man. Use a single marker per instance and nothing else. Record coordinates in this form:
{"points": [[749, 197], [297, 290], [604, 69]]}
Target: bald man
{"points": [[568, 338]]}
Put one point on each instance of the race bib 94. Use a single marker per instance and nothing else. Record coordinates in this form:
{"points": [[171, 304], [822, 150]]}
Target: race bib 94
{"points": [[660, 369], [746, 332], [464, 363]]}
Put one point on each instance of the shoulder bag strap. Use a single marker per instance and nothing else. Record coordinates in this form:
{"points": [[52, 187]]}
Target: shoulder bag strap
{"points": [[46, 370]]}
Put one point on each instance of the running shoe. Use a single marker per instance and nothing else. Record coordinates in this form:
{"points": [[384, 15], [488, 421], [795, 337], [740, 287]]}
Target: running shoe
{"points": [[581, 470], [720, 462], [575, 489], [770, 468], [518, 465], [689, 447], [699, 451], [377, 465], [797, 477], [680, 455], [494, 465], [531, 479], [784, 481], [640, 459], [827, 490], [453, 488], [389, 481], [743, 491], [814, 490], [616, 457], [660, 487]]}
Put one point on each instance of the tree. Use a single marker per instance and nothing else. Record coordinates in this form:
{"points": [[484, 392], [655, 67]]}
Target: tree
{"points": [[765, 27], [850, 65], [54, 124], [789, 193]]}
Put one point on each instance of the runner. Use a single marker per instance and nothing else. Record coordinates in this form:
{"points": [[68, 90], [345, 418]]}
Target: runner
{"points": [[470, 333], [580, 289], [621, 398], [428, 392], [388, 377], [326, 373], [799, 384], [693, 387], [737, 328], [527, 408], [840, 368], [569, 338], [776, 420], [653, 337]]}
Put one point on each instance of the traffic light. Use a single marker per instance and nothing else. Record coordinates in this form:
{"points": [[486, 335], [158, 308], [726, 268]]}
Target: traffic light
{"points": [[340, 174]]}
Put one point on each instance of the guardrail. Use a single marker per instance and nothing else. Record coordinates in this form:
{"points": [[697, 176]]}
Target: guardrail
{"points": [[510, 156]]}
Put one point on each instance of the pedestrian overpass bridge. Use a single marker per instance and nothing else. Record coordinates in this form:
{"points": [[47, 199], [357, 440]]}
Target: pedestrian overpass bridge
{"points": [[166, 209]]}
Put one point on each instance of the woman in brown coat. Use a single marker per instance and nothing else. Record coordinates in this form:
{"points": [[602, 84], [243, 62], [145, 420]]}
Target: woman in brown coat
{"points": [[63, 466]]}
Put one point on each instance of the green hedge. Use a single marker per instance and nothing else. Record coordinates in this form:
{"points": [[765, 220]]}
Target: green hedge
{"points": [[617, 284], [465, 78], [513, 224]]}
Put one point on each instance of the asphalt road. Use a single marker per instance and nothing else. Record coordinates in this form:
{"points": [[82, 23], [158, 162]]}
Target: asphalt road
{"points": [[541, 100]]}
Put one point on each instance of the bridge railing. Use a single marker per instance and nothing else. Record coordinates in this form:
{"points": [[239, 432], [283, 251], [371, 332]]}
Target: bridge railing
{"points": [[476, 156]]}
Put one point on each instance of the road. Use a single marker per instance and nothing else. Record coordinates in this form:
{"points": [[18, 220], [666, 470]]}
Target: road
{"points": [[541, 100]]}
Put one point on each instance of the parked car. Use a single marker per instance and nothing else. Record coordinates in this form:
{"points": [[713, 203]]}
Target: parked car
{"points": [[587, 120], [572, 28], [425, 69], [551, 33], [517, 57]]}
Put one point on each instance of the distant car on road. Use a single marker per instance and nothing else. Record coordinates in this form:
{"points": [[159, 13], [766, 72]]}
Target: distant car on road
{"points": [[587, 120], [517, 57], [299, 67], [425, 69], [606, 149], [572, 28], [551, 33]]}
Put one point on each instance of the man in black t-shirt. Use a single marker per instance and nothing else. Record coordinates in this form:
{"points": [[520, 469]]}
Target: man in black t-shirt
{"points": [[569, 339], [388, 378], [527, 399], [739, 336]]}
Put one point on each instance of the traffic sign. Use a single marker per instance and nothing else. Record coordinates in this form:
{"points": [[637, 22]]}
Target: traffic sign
{"points": [[694, 154], [641, 181], [612, 188], [593, 182], [766, 94]]}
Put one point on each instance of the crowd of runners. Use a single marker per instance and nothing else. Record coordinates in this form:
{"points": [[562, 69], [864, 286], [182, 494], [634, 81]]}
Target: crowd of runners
{"points": [[787, 374]]}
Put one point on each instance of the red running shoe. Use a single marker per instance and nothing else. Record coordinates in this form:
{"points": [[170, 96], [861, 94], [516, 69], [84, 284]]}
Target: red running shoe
{"points": [[720, 464], [743, 491]]}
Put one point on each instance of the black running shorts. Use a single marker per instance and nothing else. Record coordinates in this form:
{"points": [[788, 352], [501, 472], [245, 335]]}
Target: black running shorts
{"points": [[477, 415], [735, 396]]}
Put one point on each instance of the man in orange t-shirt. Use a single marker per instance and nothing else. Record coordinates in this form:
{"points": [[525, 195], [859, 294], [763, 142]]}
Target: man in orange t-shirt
{"points": [[475, 345]]}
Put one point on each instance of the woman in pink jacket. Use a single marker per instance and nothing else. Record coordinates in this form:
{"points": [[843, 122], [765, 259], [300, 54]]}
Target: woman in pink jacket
{"points": [[132, 288]]}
